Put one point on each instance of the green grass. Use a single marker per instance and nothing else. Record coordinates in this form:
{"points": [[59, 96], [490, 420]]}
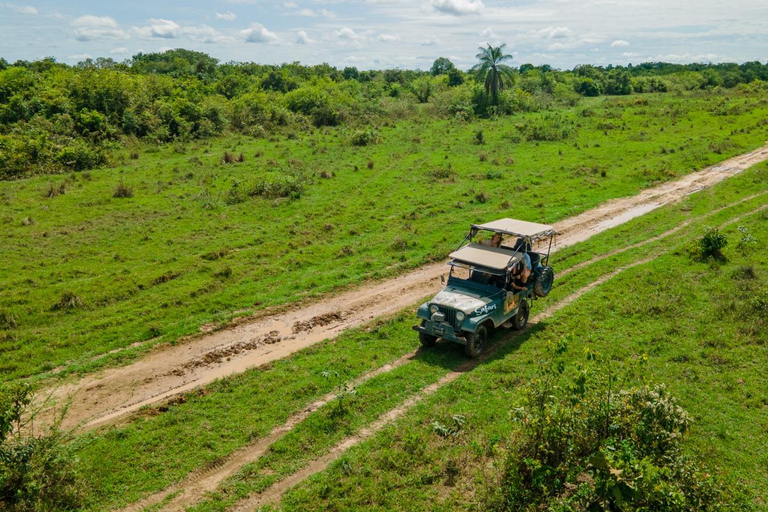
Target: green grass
{"points": [[156, 449], [700, 325], [175, 255]]}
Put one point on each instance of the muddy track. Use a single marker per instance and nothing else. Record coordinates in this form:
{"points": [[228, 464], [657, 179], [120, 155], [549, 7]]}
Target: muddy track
{"points": [[194, 487], [170, 370]]}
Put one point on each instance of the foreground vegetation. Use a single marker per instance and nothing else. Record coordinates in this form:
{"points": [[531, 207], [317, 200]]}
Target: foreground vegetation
{"points": [[703, 358], [176, 237]]}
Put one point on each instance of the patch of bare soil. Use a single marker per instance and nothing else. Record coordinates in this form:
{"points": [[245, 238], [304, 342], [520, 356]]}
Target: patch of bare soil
{"points": [[172, 370]]}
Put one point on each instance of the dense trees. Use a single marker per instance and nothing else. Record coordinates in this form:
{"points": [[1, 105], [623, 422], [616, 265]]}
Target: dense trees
{"points": [[59, 118]]}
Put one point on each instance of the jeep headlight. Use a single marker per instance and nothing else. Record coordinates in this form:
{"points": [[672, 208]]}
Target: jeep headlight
{"points": [[433, 309], [460, 316]]}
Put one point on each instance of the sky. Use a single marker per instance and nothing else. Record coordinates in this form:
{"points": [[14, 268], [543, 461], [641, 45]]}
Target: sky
{"points": [[379, 34]]}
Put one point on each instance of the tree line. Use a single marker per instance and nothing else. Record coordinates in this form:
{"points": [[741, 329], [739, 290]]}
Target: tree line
{"points": [[60, 118]]}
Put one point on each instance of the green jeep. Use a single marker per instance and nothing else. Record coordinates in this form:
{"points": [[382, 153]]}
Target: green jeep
{"points": [[492, 282]]}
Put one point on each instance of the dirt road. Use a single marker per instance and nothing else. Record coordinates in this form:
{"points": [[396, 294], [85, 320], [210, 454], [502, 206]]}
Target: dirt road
{"points": [[169, 370]]}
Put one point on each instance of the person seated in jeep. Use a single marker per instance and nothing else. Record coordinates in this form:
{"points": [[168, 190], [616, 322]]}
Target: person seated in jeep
{"points": [[519, 277], [495, 241]]}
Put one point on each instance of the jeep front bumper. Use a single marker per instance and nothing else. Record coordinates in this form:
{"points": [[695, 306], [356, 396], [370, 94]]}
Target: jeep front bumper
{"points": [[441, 330]]}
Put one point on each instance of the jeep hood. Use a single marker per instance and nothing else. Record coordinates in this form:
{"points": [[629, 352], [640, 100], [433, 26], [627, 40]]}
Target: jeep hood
{"points": [[460, 300]]}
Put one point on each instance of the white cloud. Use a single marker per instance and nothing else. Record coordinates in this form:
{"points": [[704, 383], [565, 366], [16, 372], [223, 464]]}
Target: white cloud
{"points": [[290, 5], [158, 27], [630, 54], [169, 29], [314, 14], [258, 33], [348, 33], [687, 57], [488, 33], [303, 38], [119, 50], [226, 16], [388, 38], [91, 27], [21, 9], [458, 7], [432, 41], [555, 32], [619, 42], [80, 56], [307, 12]]}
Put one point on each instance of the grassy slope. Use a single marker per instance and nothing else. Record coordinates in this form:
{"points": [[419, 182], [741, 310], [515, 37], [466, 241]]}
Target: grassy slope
{"points": [[229, 414], [146, 268], [695, 320]]}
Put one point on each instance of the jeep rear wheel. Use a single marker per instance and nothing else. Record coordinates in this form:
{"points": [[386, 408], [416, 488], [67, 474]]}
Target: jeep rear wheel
{"points": [[544, 280], [475, 341], [427, 340], [520, 320]]}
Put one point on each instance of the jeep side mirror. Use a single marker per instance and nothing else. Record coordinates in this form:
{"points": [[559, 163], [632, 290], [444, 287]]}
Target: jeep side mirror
{"points": [[442, 279]]}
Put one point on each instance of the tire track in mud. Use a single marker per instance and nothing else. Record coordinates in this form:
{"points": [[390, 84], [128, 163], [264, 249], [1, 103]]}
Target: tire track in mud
{"points": [[167, 371], [193, 488]]}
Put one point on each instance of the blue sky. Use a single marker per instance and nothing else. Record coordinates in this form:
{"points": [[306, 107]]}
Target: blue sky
{"points": [[391, 33]]}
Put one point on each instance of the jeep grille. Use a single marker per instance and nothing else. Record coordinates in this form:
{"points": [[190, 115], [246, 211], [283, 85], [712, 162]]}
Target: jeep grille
{"points": [[450, 314]]}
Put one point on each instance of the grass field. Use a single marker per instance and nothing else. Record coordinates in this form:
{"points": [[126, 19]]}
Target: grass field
{"points": [[698, 322], [200, 241]]}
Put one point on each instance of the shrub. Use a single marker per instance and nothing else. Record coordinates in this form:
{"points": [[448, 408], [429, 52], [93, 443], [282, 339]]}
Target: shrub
{"points": [[37, 470], [364, 137], [122, 190], [711, 244], [583, 443], [278, 186], [80, 156]]}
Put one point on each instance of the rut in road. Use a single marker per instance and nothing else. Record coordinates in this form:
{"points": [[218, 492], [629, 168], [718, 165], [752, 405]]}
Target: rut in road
{"points": [[167, 371], [194, 487]]}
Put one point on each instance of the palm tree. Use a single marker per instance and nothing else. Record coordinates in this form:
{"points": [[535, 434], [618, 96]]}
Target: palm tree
{"points": [[491, 70]]}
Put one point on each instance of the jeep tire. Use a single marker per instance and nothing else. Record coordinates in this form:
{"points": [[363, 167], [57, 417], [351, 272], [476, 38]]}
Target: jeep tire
{"points": [[520, 320], [543, 283], [475, 341], [427, 340]]}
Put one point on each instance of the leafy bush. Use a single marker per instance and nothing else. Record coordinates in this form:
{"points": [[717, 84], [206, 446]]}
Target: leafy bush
{"points": [[364, 137], [37, 471], [711, 244], [80, 156], [277, 186], [583, 443]]}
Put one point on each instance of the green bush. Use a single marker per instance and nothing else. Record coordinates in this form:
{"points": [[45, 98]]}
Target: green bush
{"points": [[278, 186], [584, 443], [711, 244], [364, 137], [37, 471], [80, 156]]}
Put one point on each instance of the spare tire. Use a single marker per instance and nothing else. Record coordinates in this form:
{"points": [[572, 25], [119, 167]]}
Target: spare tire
{"points": [[544, 281]]}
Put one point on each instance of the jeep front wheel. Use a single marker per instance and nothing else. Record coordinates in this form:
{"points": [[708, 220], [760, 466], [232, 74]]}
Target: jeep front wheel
{"points": [[475, 341], [520, 320], [427, 340]]}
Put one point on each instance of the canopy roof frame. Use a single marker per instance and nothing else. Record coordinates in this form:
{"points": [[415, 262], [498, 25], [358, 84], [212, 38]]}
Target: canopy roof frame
{"points": [[524, 229]]}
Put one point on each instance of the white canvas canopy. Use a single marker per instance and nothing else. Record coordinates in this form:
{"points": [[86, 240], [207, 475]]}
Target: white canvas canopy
{"points": [[498, 258], [531, 230]]}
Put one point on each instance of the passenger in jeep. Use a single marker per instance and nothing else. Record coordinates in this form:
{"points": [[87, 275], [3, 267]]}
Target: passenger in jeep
{"points": [[519, 278]]}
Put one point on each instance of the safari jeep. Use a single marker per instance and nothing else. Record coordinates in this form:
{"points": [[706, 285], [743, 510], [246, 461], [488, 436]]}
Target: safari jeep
{"points": [[486, 287]]}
